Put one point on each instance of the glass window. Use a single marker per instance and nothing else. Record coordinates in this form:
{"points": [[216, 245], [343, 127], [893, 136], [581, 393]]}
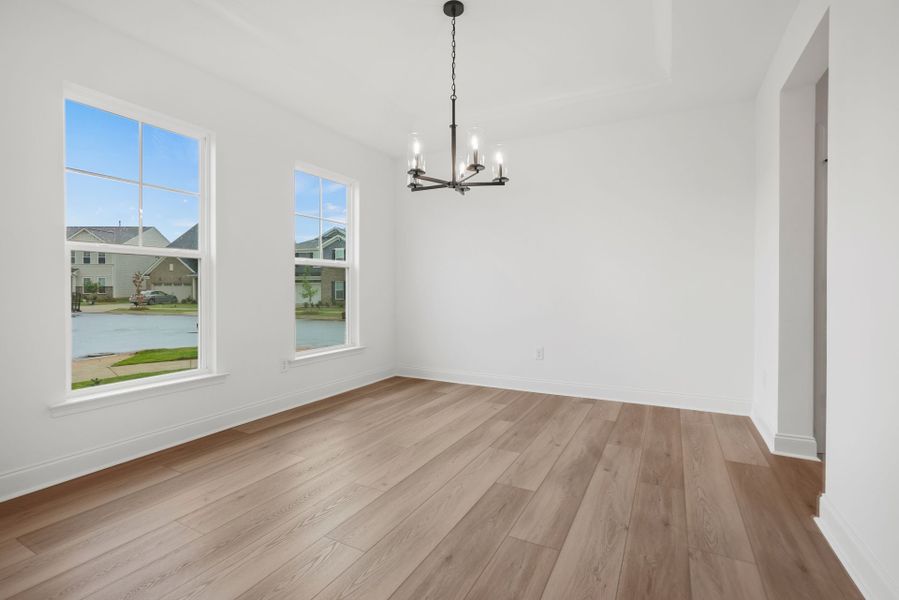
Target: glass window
{"points": [[149, 324], [130, 182], [133, 186], [321, 236]]}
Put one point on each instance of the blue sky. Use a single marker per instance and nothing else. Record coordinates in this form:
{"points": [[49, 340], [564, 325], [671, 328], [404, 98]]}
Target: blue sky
{"points": [[109, 144], [332, 209]]}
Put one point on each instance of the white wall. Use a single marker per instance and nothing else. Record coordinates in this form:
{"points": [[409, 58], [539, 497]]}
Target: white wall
{"points": [[783, 251], [858, 511], [794, 422], [863, 278], [43, 45], [624, 250]]}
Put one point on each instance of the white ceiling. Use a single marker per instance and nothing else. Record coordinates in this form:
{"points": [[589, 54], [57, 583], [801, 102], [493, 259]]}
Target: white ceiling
{"points": [[378, 70]]}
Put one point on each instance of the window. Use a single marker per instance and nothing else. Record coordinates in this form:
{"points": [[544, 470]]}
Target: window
{"points": [[136, 194], [323, 230], [338, 290]]}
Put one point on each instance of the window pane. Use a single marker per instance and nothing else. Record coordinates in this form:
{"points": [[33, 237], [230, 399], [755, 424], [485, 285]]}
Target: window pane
{"points": [[118, 335], [100, 210], [334, 201], [320, 307], [171, 160], [170, 219], [307, 193], [306, 237], [334, 240], [101, 142]]}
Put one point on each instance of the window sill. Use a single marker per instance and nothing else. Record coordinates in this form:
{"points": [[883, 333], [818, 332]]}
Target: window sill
{"points": [[93, 401], [313, 356]]}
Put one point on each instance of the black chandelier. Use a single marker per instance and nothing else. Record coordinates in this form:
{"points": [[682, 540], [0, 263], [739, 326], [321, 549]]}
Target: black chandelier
{"points": [[476, 158]]}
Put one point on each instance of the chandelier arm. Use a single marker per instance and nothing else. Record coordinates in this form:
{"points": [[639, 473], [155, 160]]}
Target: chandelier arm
{"points": [[431, 179], [467, 177], [484, 183], [422, 188]]}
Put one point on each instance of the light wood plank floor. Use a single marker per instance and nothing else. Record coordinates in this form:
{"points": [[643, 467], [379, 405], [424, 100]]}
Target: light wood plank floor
{"points": [[414, 490]]}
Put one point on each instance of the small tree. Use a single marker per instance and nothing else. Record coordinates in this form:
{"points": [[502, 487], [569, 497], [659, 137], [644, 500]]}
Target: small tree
{"points": [[138, 281], [307, 291]]}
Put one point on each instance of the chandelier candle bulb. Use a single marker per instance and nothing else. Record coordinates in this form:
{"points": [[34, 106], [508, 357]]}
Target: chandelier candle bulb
{"points": [[476, 144], [416, 158], [500, 168]]}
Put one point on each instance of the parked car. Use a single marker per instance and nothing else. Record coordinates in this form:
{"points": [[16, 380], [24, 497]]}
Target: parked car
{"points": [[153, 297]]}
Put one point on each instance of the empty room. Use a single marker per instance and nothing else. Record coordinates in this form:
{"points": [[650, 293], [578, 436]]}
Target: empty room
{"points": [[449, 300]]}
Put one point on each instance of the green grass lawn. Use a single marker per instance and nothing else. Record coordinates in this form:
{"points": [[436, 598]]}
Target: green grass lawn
{"points": [[159, 309], [77, 385], [158, 355], [333, 313]]}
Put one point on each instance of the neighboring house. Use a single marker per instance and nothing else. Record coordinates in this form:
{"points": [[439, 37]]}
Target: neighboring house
{"points": [[111, 272], [330, 280], [176, 276], [333, 245]]}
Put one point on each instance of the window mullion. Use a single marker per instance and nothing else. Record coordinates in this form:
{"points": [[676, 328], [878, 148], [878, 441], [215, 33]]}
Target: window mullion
{"points": [[140, 183]]}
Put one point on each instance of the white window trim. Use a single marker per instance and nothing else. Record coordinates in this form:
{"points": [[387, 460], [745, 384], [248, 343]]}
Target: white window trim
{"points": [[350, 265], [127, 391]]}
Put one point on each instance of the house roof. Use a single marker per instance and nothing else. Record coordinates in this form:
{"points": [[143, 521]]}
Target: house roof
{"points": [[186, 241], [330, 235], [189, 239], [108, 234]]}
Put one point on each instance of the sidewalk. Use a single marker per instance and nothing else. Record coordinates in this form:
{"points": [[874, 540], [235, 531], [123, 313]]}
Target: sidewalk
{"points": [[101, 367]]}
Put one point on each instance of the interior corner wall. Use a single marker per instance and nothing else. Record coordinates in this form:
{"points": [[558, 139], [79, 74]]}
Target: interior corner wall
{"points": [[42, 46], [774, 350], [858, 510], [624, 251]]}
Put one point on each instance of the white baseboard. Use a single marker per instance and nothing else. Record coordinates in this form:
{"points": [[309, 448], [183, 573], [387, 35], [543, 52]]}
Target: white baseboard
{"points": [[583, 390], [796, 446], [869, 575], [783, 444], [28, 479]]}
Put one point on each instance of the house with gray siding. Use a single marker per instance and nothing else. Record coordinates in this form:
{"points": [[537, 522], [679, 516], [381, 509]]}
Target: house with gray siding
{"points": [[110, 271]]}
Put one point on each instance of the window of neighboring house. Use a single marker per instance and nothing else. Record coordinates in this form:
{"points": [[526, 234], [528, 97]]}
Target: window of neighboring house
{"points": [[86, 282], [324, 313], [147, 176]]}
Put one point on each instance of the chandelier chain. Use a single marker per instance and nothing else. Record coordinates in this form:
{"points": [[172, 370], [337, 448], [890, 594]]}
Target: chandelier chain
{"points": [[453, 96]]}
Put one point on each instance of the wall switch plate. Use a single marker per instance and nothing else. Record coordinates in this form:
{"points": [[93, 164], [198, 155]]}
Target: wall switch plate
{"points": [[539, 355]]}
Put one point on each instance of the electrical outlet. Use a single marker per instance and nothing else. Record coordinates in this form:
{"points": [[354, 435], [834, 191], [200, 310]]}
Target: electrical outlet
{"points": [[285, 364], [539, 355]]}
